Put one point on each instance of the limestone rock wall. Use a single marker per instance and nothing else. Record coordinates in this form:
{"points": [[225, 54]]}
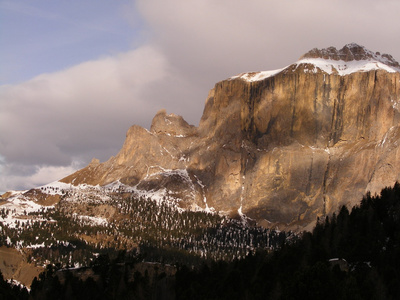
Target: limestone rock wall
{"points": [[283, 150]]}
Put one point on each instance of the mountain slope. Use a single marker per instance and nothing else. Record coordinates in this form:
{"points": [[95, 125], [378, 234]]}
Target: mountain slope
{"points": [[282, 147]]}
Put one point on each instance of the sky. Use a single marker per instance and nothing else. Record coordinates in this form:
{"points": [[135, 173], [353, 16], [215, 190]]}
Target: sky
{"points": [[75, 75]]}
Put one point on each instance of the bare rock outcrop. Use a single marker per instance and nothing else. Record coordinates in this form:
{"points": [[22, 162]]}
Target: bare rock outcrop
{"points": [[281, 147], [171, 125]]}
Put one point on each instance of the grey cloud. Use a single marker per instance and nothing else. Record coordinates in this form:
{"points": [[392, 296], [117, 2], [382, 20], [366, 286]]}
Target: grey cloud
{"points": [[232, 36], [21, 177]]}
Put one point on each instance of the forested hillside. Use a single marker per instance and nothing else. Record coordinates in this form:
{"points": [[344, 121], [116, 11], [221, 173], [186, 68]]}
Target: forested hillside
{"points": [[349, 255], [366, 242], [79, 228]]}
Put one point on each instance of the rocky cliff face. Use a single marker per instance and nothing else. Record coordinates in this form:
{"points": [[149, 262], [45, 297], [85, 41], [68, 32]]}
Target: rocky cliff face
{"points": [[282, 147]]}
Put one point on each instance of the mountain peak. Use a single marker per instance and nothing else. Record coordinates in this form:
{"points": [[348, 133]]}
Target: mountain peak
{"points": [[350, 59], [351, 52]]}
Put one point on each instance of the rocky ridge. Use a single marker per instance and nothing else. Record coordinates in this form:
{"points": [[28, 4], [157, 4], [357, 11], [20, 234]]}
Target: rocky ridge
{"points": [[351, 52], [281, 147]]}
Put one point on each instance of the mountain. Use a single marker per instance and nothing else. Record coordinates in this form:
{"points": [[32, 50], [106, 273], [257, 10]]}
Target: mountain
{"points": [[279, 147], [276, 148]]}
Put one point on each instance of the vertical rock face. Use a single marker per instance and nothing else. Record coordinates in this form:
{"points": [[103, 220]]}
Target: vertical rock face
{"points": [[282, 147]]}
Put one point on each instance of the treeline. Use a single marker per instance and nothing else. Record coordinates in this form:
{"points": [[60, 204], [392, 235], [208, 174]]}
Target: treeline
{"points": [[81, 226]]}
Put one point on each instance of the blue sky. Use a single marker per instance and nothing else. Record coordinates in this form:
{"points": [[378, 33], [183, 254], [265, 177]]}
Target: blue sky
{"points": [[45, 36], [75, 75]]}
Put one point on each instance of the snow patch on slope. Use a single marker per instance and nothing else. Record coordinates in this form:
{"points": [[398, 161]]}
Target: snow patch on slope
{"points": [[344, 68], [55, 188], [18, 208], [256, 76]]}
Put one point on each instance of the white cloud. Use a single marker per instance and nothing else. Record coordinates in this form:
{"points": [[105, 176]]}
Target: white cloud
{"points": [[84, 104], [82, 111]]}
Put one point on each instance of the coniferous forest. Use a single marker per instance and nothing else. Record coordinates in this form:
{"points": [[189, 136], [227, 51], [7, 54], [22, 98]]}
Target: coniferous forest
{"points": [[350, 255]]}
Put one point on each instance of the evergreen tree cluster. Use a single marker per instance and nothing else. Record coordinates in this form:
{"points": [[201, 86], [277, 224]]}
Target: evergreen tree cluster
{"points": [[349, 255], [123, 277], [9, 291], [72, 233], [366, 240]]}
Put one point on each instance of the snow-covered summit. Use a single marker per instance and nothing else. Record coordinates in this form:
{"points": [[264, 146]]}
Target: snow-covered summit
{"points": [[350, 59], [349, 53]]}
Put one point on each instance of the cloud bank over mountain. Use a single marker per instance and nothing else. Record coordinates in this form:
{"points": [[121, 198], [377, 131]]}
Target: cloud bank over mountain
{"points": [[56, 122]]}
